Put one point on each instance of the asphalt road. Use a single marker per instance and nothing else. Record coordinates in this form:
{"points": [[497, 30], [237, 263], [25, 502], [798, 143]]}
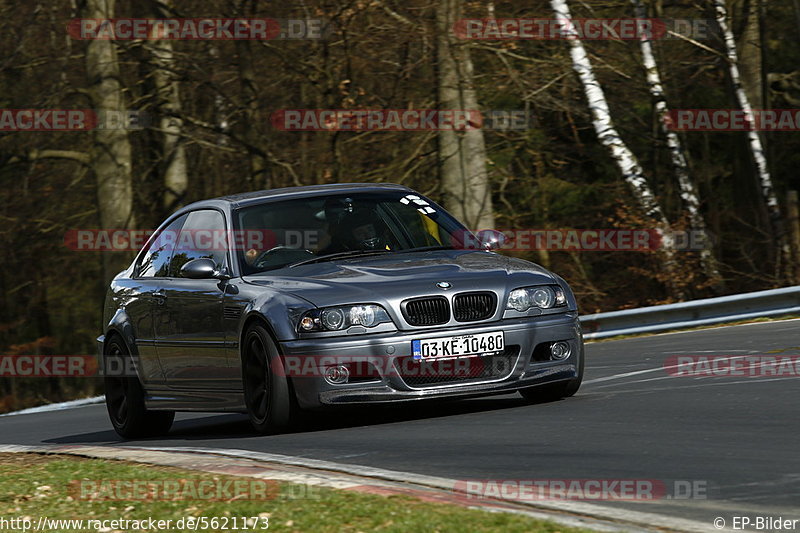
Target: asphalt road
{"points": [[739, 437]]}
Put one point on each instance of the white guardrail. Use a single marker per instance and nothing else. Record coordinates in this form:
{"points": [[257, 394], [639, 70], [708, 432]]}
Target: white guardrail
{"points": [[703, 312]]}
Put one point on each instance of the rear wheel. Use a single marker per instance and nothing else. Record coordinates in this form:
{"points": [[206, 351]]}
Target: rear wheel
{"points": [[267, 393], [125, 399]]}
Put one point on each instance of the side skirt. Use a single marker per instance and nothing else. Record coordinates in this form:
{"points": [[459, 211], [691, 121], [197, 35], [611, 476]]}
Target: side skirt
{"points": [[211, 401]]}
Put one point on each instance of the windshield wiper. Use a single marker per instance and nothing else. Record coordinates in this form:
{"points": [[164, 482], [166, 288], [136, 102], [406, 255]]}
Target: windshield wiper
{"points": [[337, 255], [362, 253], [426, 249]]}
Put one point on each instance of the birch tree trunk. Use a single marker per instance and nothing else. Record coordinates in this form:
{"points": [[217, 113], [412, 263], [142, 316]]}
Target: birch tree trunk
{"points": [[111, 150], [462, 155], [756, 148], [168, 104], [750, 53], [607, 134], [686, 186]]}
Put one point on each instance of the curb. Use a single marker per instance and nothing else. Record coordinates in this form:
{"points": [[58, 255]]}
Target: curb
{"points": [[371, 481]]}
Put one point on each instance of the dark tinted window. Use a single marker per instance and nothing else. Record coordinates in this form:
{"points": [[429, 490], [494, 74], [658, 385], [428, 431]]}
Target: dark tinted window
{"points": [[155, 262], [302, 229], [203, 235]]}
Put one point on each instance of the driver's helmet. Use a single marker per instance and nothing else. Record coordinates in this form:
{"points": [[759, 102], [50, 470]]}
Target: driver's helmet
{"points": [[361, 229]]}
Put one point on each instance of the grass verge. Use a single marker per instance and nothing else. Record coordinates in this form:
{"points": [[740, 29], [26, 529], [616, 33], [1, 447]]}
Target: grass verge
{"points": [[36, 486]]}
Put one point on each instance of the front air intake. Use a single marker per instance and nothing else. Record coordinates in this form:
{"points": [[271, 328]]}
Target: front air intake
{"points": [[428, 311], [472, 306]]}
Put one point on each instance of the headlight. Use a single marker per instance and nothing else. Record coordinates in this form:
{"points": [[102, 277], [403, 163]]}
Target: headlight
{"points": [[332, 319], [544, 297], [339, 318]]}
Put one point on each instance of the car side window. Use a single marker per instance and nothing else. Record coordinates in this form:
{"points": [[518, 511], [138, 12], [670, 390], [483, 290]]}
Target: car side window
{"points": [[155, 261], [203, 235]]}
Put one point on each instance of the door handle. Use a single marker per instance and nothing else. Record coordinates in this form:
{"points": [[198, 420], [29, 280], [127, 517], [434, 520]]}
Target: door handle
{"points": [[160, 296]]}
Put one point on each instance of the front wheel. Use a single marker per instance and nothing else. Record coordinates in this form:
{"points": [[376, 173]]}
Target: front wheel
{"points": [[267, 393], [125, 399]]}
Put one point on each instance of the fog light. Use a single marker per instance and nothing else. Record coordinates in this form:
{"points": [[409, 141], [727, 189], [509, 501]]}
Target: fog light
{"points": [[559, 350], [337, 375]]}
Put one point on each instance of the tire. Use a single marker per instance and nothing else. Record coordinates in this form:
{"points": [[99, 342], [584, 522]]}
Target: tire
{"points": [[267, 393], [125, 400]]}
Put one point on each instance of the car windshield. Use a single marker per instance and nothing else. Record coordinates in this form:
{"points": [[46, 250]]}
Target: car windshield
{"points": [[278, 234]]}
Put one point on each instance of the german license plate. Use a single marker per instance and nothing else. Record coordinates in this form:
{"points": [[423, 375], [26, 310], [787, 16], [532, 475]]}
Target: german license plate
{"points": [[458, 346]]}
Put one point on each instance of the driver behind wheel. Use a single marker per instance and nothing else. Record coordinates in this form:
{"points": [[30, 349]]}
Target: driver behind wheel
{"points": [[360, 229]]}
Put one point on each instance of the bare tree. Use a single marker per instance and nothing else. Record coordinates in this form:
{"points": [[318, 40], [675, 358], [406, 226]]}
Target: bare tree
{"points": [[603, 124], [462, 154], [756, 147], [750, 52], [168, 105], [111, 149], [686, 186], [259, 176]]}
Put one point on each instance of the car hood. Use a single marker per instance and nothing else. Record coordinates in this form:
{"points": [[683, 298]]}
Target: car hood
{"points": [[378, 279]]}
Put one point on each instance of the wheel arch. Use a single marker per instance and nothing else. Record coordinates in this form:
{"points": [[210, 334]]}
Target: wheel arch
{"points": [[120, 326], [258, 318]]}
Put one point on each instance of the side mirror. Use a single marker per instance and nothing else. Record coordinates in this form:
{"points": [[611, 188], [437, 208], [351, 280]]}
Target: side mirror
{"points": [[200, 268], [491, 239]]}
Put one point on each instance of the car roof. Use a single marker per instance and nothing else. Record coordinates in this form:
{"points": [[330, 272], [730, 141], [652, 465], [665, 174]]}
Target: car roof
{"points": [[255, 197]]}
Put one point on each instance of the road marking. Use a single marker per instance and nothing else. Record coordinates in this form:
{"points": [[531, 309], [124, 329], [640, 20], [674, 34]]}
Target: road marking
{"points": [[693, 385], [649, 370], [664, 368], [628, 374], [73, 404]]}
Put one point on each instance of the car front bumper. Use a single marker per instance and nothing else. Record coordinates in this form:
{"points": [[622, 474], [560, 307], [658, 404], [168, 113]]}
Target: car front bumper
{"points": [[384, 353]]}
